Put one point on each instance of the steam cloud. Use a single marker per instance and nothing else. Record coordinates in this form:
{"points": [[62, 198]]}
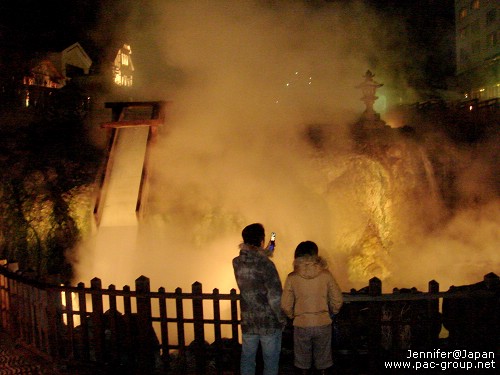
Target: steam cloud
{"points": [[246, 79]]}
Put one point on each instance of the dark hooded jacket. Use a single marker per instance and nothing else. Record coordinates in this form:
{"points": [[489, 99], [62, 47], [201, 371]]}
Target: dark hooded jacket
{"points": [[260, 290], [311, 294]]}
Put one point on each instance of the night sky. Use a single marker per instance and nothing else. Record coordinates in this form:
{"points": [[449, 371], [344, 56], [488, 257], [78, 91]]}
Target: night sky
{"points": [[29, 25], [38, 23]]}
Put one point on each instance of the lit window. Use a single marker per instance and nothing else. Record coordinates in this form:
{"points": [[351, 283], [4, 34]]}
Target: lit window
{"points": [[463, 13], [475, 4], [124, 59]]}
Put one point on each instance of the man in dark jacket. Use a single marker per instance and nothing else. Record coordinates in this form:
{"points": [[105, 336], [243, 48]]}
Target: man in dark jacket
{"points": [[261, 317]]}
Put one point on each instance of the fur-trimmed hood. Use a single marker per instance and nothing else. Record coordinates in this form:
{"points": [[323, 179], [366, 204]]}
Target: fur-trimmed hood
{"points": [[311, 294], [309, 266]]}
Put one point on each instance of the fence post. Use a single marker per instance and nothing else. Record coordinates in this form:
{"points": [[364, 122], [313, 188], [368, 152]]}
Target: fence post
{"points": [[23, 312], [4, 297], [486, 314], [128, 321], [84, 323], [162, 299], [234, 316], [114, 326], [51, 313], [13, 325], [375, 286], [433, 316], [97, 317], [235, 357], [199, 331], [491, 280], [55, 322], [217, 325], [179, 313], [146, 345], [39, 307], [70, 350], [217, 331], [374, 335]]}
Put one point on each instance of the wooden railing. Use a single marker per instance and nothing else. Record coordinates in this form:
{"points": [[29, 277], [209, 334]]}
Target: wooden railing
{"points": [[175, 330], [471, 105]]}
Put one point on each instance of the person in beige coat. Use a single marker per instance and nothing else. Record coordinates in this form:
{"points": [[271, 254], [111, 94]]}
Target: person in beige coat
{"points": [[311, 296]]}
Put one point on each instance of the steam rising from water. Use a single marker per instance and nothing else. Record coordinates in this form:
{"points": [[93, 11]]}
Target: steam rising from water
{"points": [[246, 79]]}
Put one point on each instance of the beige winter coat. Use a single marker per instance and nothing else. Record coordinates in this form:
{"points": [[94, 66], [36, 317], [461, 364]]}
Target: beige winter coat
{"points": [[311, 293]]}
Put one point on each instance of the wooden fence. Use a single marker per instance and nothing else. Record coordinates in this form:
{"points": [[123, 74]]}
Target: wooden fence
{"points": [[170, 331]]}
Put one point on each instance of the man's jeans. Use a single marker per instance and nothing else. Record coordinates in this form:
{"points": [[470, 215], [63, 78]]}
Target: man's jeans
{"points": [[271, 349]]}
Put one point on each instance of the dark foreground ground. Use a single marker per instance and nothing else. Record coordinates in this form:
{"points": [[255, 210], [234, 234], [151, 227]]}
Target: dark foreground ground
{"points": [[16, 359]]}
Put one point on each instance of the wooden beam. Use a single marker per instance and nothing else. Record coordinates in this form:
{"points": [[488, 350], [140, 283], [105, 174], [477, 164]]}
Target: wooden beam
{"points": [[132, 123], [135, 104]]}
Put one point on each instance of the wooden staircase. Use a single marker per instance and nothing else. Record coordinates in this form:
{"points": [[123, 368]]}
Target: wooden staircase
{"points": [[125, 115]]}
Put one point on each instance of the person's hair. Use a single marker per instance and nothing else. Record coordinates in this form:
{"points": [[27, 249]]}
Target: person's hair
{"points": [[306, 248], [253, 234]]}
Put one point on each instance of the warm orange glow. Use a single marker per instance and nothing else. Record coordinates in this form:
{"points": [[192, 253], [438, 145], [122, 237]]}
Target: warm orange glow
{"points": [[235, 153]]}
